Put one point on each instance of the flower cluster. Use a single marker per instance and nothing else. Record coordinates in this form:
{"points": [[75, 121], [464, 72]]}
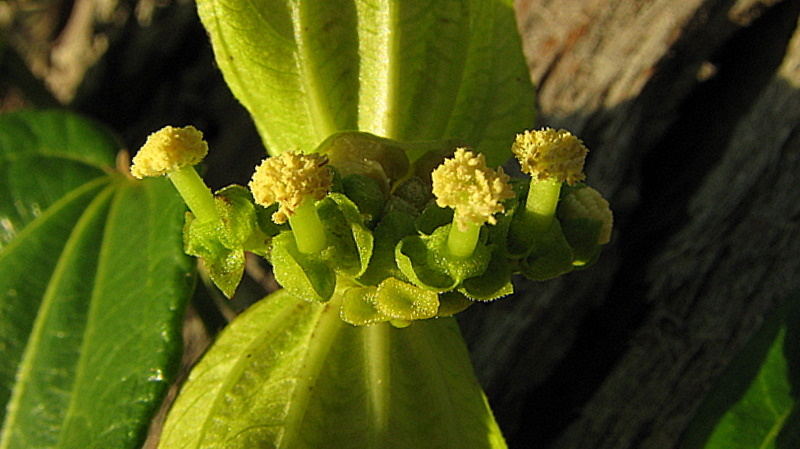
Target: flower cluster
{"points": [[388, 238]]}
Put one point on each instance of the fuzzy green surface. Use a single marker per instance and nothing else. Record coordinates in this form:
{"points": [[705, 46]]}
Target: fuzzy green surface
{"points": [[406, 70], [290, 374]]}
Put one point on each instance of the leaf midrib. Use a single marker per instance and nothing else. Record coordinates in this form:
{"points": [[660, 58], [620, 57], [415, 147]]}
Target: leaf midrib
{"points": [[32, 347], [63, 202]]}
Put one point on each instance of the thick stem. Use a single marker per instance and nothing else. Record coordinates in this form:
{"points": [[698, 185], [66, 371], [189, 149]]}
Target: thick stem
{"points": [[195, 193], [540, 207], [309, 234], [460, 243]]}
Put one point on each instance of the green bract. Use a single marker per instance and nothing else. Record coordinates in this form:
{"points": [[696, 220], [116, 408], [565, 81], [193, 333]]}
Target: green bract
{"points": [[243, 226]]}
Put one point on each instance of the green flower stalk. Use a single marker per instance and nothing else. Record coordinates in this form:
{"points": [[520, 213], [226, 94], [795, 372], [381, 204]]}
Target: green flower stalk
{"points": [[551, 157], [174, 152], [295, 182], [475, 191]]}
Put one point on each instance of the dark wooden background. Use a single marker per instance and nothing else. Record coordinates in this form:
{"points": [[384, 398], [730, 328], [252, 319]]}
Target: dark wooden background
{"points": [[690, 109]]}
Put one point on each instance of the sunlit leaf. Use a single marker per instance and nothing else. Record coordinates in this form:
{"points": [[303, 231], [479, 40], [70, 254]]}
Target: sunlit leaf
{"points": [[407, 70], [91, 292], [289, 373]]}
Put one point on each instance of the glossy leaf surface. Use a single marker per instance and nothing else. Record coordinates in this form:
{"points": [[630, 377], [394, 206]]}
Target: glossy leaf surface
{"points": [[92, 288], [290, 374], [406, 70]]}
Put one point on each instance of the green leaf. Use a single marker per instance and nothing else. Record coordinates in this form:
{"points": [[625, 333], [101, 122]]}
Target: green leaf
{"points": [[42, 156], [91, 292], [406, 70], [291, 374], [756, 403]]}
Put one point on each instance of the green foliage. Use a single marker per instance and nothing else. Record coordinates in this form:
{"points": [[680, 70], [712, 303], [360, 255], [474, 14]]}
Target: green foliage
{"points": [[93, 287], [95, 278], [756, 403], [405, 70], [289, 373]]}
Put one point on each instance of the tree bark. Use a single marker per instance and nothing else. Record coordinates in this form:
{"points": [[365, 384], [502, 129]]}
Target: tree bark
{"points": [[690, 110]]}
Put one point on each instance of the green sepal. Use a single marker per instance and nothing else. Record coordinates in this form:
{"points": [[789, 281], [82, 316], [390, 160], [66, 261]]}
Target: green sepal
{"points": [[396, 223], [416, 191], [450, 303], [511, 228], [494, 283], [350, 243], [416, 260], [550, 257], [582, 235], [402, 301], [304, 276], [225, 266], [366, 194], [358, 306], [241, 227], [434, 217], [426, 261], [392, 300]]}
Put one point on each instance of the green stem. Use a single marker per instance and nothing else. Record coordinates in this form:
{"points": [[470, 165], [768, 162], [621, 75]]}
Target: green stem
{"points": [[460, 243], [195, 193], [309, 234], [540, 207]]}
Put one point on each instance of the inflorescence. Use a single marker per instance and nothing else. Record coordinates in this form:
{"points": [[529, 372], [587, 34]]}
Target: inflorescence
{"points": [[379, 235]]}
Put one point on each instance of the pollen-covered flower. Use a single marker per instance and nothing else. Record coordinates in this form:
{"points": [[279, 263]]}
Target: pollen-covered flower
{"points": [[475, 191], [588, 203], [551, 154], [289, 179], [168, 150]]}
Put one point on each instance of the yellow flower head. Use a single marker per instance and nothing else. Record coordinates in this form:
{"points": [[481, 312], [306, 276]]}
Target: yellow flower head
{"points": [[169, 149], [588, 203], [289, 179], [551, 154], [475, 191]]}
